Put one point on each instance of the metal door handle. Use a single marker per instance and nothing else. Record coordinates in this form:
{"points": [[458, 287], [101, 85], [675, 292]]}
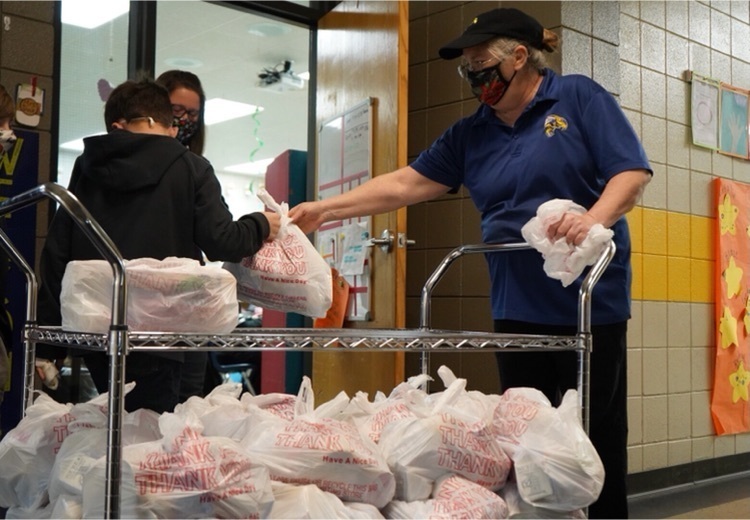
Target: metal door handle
{"points": [[385, 242]]}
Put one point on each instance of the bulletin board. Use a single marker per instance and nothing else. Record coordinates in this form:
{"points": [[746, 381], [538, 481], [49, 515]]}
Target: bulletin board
{"points": [[730, 398], [345, 162]]}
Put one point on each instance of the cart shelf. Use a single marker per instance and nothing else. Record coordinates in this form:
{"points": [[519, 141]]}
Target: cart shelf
{"points": [[415, 340], [118, 342]]}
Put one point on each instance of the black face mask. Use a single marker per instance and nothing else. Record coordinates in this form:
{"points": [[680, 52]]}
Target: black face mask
{"points": [[186, 128], [489, 85]]}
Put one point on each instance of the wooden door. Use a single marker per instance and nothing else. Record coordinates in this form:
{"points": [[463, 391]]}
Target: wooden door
{"points": [[362, 52]]}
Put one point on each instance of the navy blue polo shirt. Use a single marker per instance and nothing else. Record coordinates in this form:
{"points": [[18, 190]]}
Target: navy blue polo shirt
{"points": [[571, 139]]}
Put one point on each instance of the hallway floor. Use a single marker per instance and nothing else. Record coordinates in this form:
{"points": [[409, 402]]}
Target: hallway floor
{"points": [[726, 497]]}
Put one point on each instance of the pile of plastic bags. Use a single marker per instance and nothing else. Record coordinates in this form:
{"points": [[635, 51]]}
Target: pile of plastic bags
{"points": [[450, 454]]}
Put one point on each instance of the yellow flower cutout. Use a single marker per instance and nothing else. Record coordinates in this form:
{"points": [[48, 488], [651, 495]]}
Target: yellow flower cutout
{"points": [[733, 276], [740, 381], [727, 215], [728, 329]]}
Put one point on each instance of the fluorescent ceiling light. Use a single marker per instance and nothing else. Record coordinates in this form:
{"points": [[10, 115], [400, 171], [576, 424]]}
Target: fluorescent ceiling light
{"points": [[266, 29], [219, 110], [88, 14], [76, 145], [183, 63], [251, 168]]}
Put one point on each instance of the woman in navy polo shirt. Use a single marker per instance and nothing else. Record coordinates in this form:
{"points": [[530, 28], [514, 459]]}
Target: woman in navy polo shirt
{"points": [[536, 136]]}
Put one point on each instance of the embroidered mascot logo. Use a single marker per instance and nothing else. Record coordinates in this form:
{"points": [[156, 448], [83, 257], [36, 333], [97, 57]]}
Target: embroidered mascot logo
{"points": [[554, 123]]}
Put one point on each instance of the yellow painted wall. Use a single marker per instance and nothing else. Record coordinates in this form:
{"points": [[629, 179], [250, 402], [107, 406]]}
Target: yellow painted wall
{"points": [[673, 257]]}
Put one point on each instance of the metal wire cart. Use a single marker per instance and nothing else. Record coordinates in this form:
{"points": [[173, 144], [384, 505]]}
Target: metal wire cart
{"points": [[120, 341]]}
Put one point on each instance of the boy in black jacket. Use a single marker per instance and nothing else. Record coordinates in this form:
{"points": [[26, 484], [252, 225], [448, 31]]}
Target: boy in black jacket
{"points": [[154, 198]]}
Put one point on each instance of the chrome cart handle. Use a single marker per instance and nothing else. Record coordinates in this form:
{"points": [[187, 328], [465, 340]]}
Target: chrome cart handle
{"points": [[90, 228], [584, 294], [118, 338]]}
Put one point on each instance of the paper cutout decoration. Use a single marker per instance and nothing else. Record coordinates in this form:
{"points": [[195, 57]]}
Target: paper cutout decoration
{"points": [[730, 409], [727, 216], [29, 104], [733, 278], [740, 381]]}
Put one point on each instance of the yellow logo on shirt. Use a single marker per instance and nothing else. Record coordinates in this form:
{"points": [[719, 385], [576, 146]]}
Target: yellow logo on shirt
{"points": [[553, 123]]}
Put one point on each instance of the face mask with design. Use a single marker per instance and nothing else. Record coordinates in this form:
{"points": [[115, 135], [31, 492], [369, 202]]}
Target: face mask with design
{"points": [[488, 85], [7, 140], [186, 128]]}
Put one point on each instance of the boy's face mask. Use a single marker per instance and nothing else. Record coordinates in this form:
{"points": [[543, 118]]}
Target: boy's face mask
{"points": [[186, 128], [7, 140], [488, 85]]}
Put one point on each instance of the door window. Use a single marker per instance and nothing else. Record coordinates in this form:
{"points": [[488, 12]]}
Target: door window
{"points": [[93, 59], [254, 73]]}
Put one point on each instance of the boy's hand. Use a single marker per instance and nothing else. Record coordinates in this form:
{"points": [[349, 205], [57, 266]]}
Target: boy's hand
{"points": [[274, 223]]}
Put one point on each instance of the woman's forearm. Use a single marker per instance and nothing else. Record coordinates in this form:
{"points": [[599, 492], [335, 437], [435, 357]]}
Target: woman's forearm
{"points": [[620, 195], [386, 192]]}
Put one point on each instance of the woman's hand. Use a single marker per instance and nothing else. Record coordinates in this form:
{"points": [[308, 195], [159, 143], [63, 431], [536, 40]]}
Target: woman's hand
{"points": [[619, 196], [574, 227], [308, 216]]}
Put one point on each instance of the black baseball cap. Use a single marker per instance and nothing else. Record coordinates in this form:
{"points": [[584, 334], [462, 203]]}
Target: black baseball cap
{"points": [[506, 22]]}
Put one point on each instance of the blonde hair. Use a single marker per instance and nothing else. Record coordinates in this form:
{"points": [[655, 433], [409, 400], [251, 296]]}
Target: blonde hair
{"points": [[501, 47]]}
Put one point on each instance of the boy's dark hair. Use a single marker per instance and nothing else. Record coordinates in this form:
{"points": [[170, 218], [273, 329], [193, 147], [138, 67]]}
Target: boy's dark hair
{"points": [[132, 99], [174, 79], [7, 105]]}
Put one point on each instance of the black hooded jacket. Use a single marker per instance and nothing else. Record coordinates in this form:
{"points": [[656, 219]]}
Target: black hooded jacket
{"points": [[154, 198]]}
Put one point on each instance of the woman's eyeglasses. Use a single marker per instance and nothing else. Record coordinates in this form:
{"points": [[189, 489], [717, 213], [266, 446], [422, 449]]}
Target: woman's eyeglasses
{"points": [[180, 111], [467, 66]]}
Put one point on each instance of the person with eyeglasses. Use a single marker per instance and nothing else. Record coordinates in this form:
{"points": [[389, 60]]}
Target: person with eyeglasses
{"points": [[188, 105], [154, 199], [536, 136], [188, 102]]}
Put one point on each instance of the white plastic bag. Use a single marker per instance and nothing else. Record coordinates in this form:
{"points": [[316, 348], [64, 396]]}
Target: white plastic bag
{"points": [[556, 466], [173, 295], [563, 261], [316, 448], [517, 508], [443, 437], [309, 501], [185, 475], [452, 497], [86, 445], [28, 451], [287, 274]]}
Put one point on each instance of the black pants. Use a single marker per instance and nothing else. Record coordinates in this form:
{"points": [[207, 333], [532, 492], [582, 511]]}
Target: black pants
{"points": [[193, 378], [157, 380], [554, 372]]}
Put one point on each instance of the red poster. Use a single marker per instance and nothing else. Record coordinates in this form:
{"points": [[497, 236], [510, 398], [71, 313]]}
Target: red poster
{"points": [[730, 403]]}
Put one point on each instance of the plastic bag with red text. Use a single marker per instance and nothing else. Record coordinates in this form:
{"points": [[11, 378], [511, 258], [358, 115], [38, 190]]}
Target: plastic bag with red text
{"points": [[287, 274], [185, 475]]}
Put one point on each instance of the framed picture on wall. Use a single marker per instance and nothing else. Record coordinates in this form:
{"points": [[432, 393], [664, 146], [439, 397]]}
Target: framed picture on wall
{"points": [[733, 127], [704, 111]]}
